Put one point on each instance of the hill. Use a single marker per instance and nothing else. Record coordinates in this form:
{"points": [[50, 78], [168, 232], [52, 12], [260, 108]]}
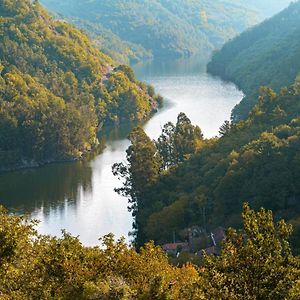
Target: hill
{"points": [[266, 55], [57, 90], [112, 45], [266, 8], [191, 181], [167, 29]]}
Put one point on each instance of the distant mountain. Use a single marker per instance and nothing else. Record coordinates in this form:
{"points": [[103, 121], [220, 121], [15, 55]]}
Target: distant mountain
{"points": [[164, 28], [266, 55], [57, 90], [267, 8], [112, 45]]}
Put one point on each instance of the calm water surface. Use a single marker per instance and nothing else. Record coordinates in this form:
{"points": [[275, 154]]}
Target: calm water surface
{"points": [[79, 197]]}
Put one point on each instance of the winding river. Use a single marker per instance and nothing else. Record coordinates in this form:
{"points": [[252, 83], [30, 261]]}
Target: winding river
{"points": [[79, 197]]}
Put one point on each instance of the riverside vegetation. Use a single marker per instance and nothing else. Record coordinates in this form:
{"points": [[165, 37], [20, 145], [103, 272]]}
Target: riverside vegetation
{"points": [[131, 31], [266, 55], [182, 180], [56, 90], [161, 29]]}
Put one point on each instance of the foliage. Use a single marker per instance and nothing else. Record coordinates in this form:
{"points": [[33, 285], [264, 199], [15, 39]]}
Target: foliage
{"points": [[255, 263], [176, 143], [56, 90], [266, 55], [111, 44], [142, 169], [41, 267], [148, 160], [255, 160], [163, 28]]}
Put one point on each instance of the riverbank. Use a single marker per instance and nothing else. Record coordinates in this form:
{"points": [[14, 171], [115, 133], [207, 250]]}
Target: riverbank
{"points": [[79, 196], [33, 164], [156, 103]]}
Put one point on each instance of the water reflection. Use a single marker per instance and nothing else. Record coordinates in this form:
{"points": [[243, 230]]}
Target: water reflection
{"points": [[28, 190], [185, 66], [79, 196]]}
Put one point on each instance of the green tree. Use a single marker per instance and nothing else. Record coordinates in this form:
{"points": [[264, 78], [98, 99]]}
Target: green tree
{"points": [[255, 263], [187, 138], [225, 128], [177, 143], [166, 145], [142, 169]]}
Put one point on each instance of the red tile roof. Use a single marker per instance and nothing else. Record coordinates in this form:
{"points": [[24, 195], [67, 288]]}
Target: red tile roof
{"points": [[174, 246]]}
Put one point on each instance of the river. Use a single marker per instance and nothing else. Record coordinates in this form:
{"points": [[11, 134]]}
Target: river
{"points": [[79, 197]]}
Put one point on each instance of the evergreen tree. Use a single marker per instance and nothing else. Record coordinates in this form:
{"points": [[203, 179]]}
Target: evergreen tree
{"points": [[142, 169], [177, 143]]}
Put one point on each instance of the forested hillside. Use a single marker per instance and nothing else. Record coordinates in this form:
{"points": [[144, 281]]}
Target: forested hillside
{"points": [[56, 90], [111, 44], [268, 54], [267, 8], [256, 160], [167, 29]]}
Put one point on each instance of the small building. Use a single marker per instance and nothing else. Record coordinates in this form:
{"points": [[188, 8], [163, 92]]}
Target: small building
{"points": [[175, 248], [199, 240]]}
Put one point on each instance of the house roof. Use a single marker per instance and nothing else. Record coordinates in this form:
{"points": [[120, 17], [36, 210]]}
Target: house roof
{"points": [[174, 246]]}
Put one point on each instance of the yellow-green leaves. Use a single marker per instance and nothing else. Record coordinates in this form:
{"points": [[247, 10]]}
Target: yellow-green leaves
{"points": [[256, 262], [58, 89]]}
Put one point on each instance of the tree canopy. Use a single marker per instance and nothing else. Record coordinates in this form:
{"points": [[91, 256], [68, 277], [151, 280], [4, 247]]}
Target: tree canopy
{"points": [[148, 160], [256, 263], [265, 55], [57, 90], [254, 160], [160, 28]]}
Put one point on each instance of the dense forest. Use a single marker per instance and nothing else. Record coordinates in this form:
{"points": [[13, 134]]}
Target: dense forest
{"points": [[163, 28], [40, 267], [111, 44], [266, 55], [182, 180], [57, 90]]}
